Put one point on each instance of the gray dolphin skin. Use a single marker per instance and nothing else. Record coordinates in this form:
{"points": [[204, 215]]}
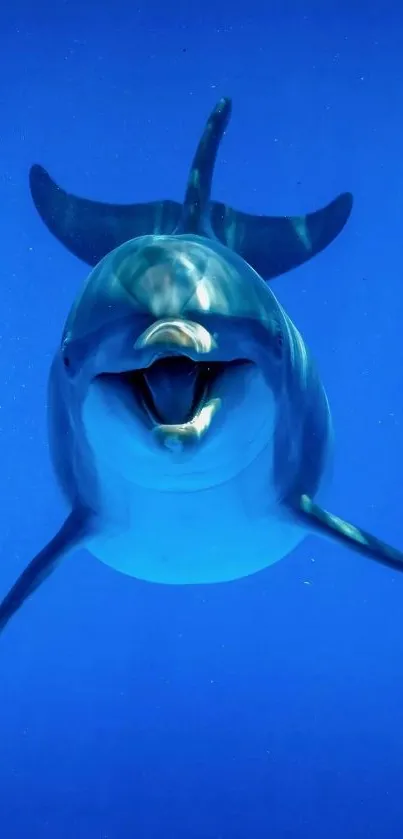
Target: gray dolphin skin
{"points": [[189, 429], [271, 245]]}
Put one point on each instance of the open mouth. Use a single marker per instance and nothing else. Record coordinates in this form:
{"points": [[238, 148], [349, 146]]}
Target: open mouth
{"points": [[176, 396], [174, 389], [180, 389]]}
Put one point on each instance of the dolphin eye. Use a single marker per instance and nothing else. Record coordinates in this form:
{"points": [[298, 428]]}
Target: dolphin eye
{"points": [[278, 343], [66, 359], [65, 355]]}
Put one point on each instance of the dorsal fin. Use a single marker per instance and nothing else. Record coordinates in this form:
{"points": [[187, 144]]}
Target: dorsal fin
{"points": [[195, 215]]}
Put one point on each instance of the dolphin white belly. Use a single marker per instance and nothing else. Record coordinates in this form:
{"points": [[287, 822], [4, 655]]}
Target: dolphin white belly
{"points": [[206, 536]]}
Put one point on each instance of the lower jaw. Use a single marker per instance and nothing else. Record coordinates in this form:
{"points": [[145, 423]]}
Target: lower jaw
{"points": [[176, 437]]}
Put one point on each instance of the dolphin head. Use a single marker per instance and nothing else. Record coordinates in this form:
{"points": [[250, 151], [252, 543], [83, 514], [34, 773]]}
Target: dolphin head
{"points": [[175, 352]]}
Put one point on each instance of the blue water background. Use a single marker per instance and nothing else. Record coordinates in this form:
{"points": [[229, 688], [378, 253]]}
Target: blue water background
{"points": [[270, 708]]}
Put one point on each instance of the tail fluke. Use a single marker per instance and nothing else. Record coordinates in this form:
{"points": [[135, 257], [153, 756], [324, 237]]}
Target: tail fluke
{"points": [[272, 245]]}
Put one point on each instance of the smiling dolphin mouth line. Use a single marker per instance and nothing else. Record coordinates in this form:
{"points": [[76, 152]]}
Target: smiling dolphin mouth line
{"points": [[176, 389]]}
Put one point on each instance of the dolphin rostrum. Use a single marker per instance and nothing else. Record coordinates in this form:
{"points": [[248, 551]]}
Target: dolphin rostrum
{"points": [[271, 245], [189, 429]]}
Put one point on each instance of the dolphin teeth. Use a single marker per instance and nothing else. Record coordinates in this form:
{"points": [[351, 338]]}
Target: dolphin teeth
{"points": [[177, 333]]}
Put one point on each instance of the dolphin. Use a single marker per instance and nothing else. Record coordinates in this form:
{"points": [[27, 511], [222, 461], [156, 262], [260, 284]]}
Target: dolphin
{"points": [[189, 429], [271, 245]]}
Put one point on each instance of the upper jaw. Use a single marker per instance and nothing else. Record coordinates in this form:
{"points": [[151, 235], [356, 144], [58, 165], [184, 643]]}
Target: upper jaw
{"points": [[164, 338], [185, 336]]}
